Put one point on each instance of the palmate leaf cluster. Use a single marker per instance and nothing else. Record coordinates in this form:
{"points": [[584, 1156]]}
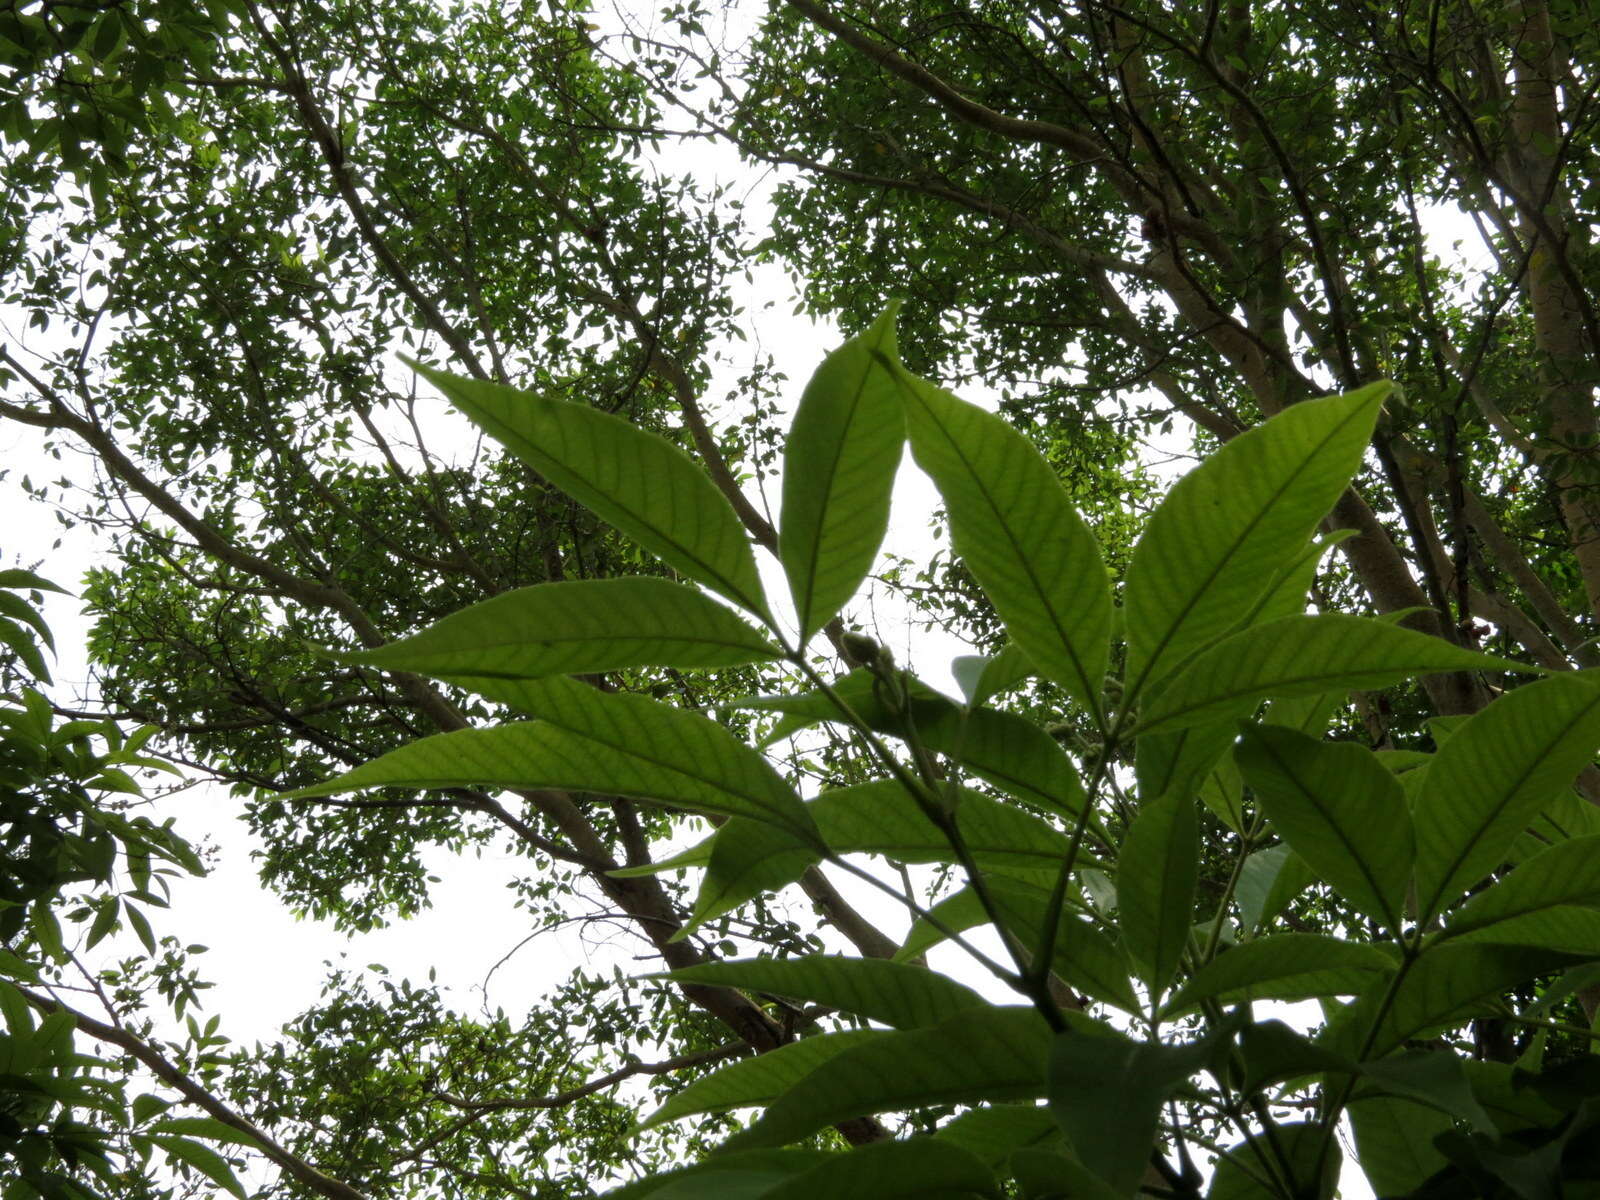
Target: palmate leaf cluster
{"points": [[1468, 876]]}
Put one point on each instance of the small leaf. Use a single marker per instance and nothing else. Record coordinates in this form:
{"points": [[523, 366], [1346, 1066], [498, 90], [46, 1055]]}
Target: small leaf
{"points": [[1270, 879], [1490, 780], [1286, 966], [1156, 880], [759, 1079], [897, 994], [1340, 809], [1303, 656], [1051, 591], [839, 466], [577, 627], [636, 481], [982, 1054], [982, 678], [1228, 527], [1107, 1092], [206, 1127], [1394, 1143]]}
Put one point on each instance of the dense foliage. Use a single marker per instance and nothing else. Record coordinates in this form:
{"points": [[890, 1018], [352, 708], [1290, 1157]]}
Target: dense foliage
{"points": [[223, 221]]}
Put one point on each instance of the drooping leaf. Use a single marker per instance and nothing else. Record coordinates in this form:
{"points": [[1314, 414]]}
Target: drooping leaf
{"points": [[1567, 873], [982, 1054], [897, 994], [921, 1166], [631, 478], [1225, 529], [839, 466], [578, 627], [1051, 591], [1286, 966], [1107, 1093], [1156, 879], [759, 1079], [1492, 778], [1340, 809], [1303, 656], [203, 1159], [592, 742]]}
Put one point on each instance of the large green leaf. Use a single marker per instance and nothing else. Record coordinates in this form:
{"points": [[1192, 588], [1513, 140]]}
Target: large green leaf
{"points": [[994, 1132], [983, 1054], [1230, 526], [1286, 966], [897, 994], [1567, 873], [1341, 810], [1571, 928], [1156, 879], [1270, 879], [1303, 656], [1490, 780], [578, 627], [911, 1169], [1178, 762], [759, 1079], [1107, 1093], [839, 467], [592, 741], [1016, 530], [635, 480]]}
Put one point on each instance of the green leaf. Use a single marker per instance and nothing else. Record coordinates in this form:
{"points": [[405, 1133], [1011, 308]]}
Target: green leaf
{"points": [[757, 1080], [1050, 1175], [1178, 763], [956, 913], [995, 1132], [1567, 873], [1107, 1093], [983, 1054], [203, 1159], [1270, 879], [1394, 1143], [206, 1127], [1340, 809], [839, 466], [1443, 987], [742, 1176], [748, 859], [883, 818], [1286, 966], [1051, 591], [1489, 781], [1221, 790], [1255, 1169], [629, 746], [921, 1166], [636, 481], [1436, 1078], [1008, 751], [1303, 656], [897, 994], [1228, 527], [1571, 928], [1156, 879], [577, 627]]}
